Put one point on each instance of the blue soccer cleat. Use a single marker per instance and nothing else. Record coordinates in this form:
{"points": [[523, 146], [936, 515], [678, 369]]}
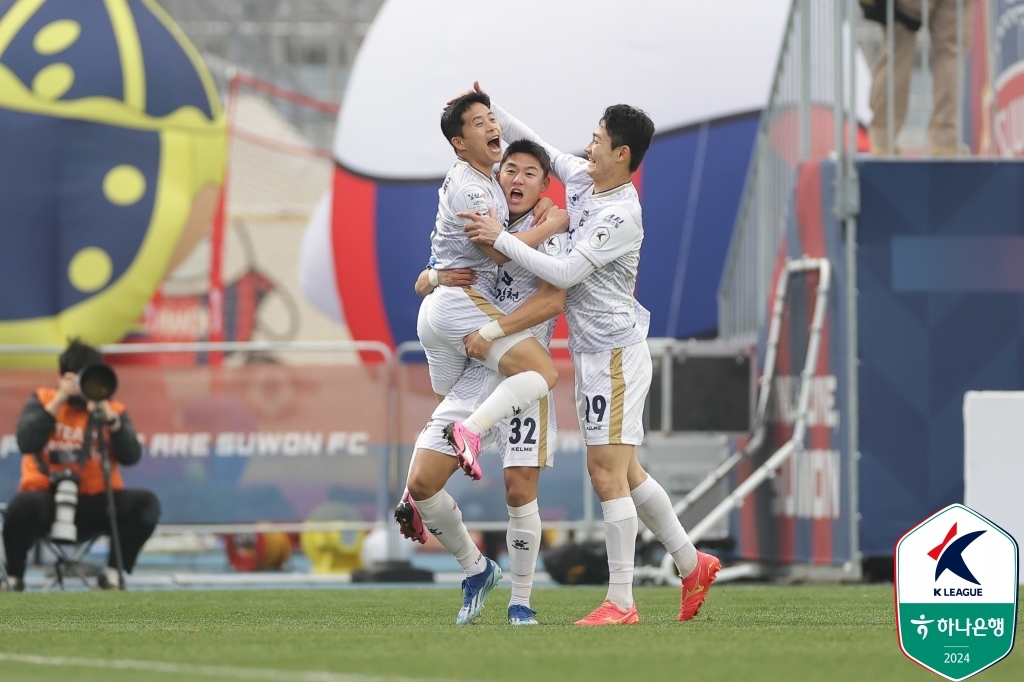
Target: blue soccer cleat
{"points": [[474, 593], [521, 615]]}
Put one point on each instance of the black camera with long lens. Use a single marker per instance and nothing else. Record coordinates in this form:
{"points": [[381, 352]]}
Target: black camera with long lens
{"points": [[97, 382], [64, 484]]}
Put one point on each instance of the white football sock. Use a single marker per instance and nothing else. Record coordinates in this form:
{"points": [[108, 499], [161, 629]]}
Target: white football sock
{"points": [[620, 527], [443, 519], [523, 547], [654, 508], [512, 396]]}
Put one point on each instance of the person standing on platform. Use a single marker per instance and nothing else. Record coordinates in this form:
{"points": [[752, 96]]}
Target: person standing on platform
{"points": [[942, 25]]}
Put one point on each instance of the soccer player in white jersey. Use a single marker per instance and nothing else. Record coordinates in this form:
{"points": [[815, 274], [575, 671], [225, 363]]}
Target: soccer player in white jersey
{"points": [[527, 440], [446, 317], [607, 338]]}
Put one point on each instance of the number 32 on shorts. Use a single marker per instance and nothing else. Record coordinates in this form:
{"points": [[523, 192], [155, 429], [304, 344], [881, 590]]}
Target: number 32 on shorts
{"points": [[529, 425], [596, 406]]}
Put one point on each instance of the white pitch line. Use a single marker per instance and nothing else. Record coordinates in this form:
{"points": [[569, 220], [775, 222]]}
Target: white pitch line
{"points": [[203, 670]]}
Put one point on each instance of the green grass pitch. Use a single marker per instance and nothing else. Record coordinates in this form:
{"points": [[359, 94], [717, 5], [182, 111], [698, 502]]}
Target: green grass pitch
{"points": [[743, 633]]}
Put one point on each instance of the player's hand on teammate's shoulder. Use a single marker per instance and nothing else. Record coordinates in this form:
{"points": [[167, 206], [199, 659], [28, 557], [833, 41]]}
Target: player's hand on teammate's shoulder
{"points": [[540, 210], [482, 229], [457, 277], [555, 220], [476, 346]]}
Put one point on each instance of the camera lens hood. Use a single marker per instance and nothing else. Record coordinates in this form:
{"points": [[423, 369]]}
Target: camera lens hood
{"points": [[97, 382]]}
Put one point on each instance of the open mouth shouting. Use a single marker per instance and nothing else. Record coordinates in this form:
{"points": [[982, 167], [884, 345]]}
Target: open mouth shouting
{"points": [[515, 197], [494, 145]]}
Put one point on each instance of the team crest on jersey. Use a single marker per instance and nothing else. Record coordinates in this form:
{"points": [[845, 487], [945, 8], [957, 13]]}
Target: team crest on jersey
{"points": [[552, 246], [600, 237], [584, 216]]}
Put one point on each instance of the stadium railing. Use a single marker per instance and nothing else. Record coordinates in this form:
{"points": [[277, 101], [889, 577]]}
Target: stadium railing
{"points": [[810, 116]]}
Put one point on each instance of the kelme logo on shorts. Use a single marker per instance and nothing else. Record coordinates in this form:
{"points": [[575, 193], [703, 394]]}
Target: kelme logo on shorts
{"points": [[956, 592]]}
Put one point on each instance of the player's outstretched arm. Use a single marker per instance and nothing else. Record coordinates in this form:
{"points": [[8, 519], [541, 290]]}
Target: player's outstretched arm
{"points": [[562, 165], [555, 221], [562, 272], [541, 307], [457, 277]]}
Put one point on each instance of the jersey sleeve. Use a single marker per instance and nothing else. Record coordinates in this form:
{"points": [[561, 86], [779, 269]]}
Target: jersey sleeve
{"points": [[561, 272], [611, 234], [566, 167], [473, 198]]}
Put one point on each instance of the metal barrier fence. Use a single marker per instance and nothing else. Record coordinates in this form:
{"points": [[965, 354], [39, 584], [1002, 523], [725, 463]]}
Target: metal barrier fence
{"points": [[810, 116], [397, 402], [810, 105], [193, 420], [392, 413]]}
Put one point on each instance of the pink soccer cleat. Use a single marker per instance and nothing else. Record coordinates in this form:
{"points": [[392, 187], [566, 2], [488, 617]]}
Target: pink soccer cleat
{"points": [[696, 585], [610, 614], [409, 521], [467, 449]]}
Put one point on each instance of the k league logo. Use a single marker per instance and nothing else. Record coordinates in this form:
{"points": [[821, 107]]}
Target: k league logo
{"points": [[956, 593], [952, 559]]}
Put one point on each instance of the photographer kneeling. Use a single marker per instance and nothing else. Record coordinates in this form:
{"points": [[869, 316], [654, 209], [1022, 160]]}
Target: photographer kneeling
{"points": [[51, 433]]}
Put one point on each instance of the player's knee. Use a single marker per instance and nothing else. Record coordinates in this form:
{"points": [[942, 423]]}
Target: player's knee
{"points": [[549, 373], [417, 490], [420, 488], [519, 494], [605, 479]]}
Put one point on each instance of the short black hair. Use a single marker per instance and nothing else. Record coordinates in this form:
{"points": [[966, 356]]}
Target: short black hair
{"points": [[533, 149], [629, 126], [78, 355], [451, 118]]}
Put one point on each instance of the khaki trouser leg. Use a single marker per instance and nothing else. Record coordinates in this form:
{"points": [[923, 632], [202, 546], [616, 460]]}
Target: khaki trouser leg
{"points": [[904, 42], [942, 133]]}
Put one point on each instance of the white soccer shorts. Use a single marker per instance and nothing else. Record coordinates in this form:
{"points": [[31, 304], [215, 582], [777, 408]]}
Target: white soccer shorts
{"points": [[446, 317], [526, 440], [611, 389]]}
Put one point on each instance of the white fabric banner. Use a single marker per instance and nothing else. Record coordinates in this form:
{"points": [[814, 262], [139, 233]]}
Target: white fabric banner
{"points": [[994, 458], [555, 65]]}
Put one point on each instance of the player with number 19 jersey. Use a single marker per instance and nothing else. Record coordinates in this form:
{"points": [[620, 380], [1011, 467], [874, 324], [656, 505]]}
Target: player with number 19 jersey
{"points": [[607, 325]]}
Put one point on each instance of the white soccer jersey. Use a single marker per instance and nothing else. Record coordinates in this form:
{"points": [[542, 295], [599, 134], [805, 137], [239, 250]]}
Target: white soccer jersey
{"points": [[516, 284], [607, 228], [601, 310], [465, 189]]}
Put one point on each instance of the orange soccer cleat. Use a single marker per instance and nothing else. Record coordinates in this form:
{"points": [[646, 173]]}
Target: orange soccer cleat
{"points": [[696, 585], [610, 614]]}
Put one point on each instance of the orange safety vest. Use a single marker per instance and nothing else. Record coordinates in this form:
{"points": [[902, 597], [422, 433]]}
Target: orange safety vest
{"points": [[67, 436]]}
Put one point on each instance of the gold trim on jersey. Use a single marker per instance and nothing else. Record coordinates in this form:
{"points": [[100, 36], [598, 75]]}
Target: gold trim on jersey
{"points": [[520, 219], [476, 170], [618, 398], [542, 444], [613, 190], [483, 304]]}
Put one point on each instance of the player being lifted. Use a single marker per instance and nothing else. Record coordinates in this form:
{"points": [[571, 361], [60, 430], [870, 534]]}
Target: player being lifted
{"points": [[607, 339], [527, 440], [445, 318]]}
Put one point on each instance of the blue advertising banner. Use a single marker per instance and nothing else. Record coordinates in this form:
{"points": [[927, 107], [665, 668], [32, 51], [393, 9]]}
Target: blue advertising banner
{"points": [[940, 312]]}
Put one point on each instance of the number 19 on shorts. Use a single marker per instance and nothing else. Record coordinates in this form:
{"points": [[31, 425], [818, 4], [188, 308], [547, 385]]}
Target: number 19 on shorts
{"points": [[596, 407]]}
